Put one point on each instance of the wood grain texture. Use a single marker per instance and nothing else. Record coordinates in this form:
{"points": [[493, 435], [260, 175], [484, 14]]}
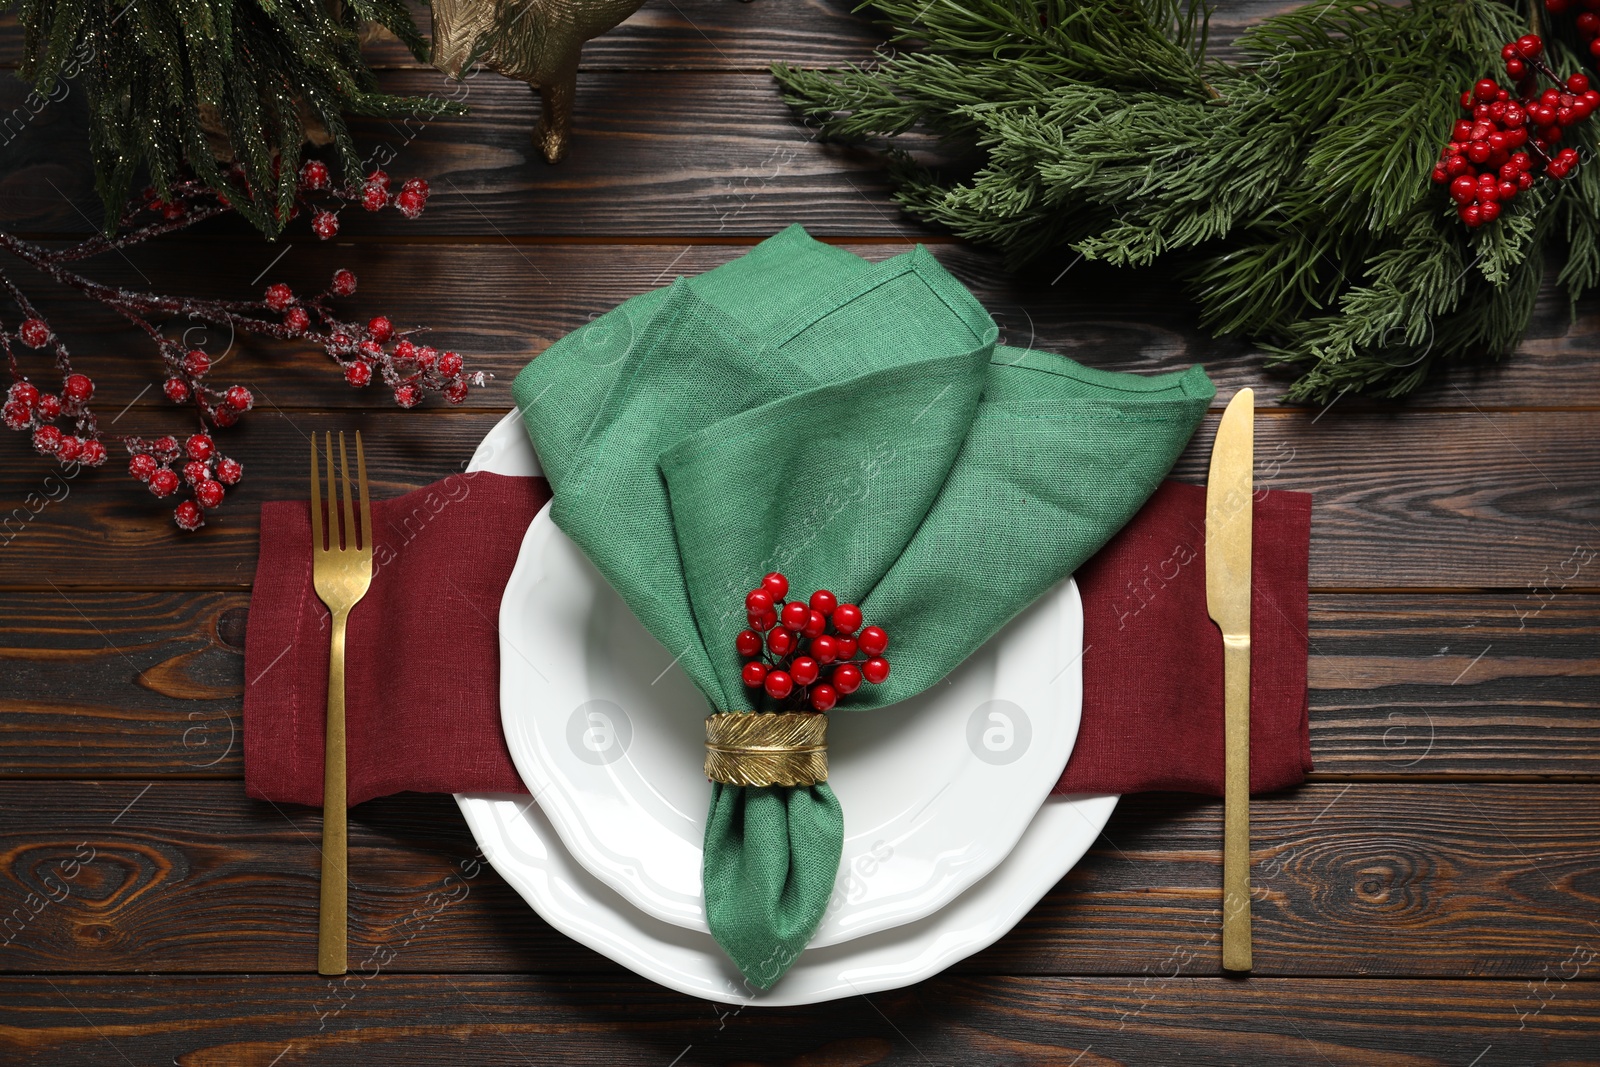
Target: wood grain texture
{"points": [[500, 304], [261, 1021], [1370, 878], [147, 685], [1516, 501]]}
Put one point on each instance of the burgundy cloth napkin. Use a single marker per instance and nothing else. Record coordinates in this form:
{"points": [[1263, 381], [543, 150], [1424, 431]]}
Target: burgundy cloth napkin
{"points": [[422, 695]]}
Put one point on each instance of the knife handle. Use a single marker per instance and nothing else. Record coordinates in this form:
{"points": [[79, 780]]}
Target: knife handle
{"points": [[1236, 804]]}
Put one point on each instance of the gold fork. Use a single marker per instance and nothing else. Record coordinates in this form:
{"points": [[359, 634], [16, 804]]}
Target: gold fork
{"points": [[341, 574]]}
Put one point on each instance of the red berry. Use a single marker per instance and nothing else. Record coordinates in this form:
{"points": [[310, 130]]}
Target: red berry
{"points": [[325, 224], [46, 439], [177, 390], [141, 466], [844, 647], [874, 640], [1478, 151], [846, 618], [824, 648], [163, 482], [407, 396], [1529, 46], [380, 328], [48, 406], [357, 374], [24, 393], [165, 446], [279, 296], [824, 697], [229, 471], [1440, 175], [195, 472], [456, 391], [92, 454], [68, 447], [16, 414], [427, 356], [223, 415], [795, 616], [781, 641], [779, 684], [754, 673], [1463, 190], [816, 624], [196, 363], [1471, 215], [1466, 98], [239, 398], [378, 178], [373, 197], [776, 584], [757, 600], [875, 670], [1516, 68], [847, 678], [415, 185], [763, 622], [314, 176], [449, 364], [413, 198], [1484, 91], [1508, 190], [35, 333], [189, 516], [209, 493], [804, 670], [200, 446], [344, 283], [77, 387], [748, 643], [297, 320], [824, 601]]}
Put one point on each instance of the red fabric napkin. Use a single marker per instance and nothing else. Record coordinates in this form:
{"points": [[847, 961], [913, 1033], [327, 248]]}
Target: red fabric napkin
{"points": [[422, 665]]}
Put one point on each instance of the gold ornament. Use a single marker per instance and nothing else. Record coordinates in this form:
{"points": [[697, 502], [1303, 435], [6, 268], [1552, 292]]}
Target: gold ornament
{"points": [[536, 41], [764, 748]]}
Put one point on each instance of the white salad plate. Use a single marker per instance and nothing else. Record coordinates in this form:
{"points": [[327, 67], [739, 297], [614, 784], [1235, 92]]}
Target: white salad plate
{"points": [[609, 736], [521, 843]]}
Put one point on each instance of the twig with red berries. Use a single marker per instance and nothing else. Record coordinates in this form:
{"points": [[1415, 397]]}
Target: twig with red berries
{"points": [[362, 350], [1482, 165], [803, 639]]}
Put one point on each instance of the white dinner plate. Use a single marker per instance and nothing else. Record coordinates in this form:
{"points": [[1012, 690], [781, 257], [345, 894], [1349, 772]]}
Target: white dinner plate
{"points": [[936, 790], [519, 841]]}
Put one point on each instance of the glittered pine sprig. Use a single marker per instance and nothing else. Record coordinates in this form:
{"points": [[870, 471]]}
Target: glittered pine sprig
{"points": [[59, 418], [806, 654]]}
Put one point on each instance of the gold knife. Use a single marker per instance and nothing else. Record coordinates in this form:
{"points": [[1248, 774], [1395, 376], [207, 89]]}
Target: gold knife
{"points": [[1228, 529]]}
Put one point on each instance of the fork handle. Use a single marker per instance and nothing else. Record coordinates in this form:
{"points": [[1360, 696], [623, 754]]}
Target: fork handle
{"points": [[333, 917]]}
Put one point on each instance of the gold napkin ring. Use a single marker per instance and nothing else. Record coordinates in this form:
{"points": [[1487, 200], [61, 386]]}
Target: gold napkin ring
{"points": [[767, 748]]}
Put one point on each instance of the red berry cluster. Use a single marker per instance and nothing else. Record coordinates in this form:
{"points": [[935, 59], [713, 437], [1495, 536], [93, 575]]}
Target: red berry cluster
{"points": [[804, 638], [205, 470], [26, 408], [1483, 164], [373, 195], [410, 369], [1587, 23]]}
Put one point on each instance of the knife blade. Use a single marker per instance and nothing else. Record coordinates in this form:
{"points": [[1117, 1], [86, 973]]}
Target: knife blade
{"points": [[1229, 518]]}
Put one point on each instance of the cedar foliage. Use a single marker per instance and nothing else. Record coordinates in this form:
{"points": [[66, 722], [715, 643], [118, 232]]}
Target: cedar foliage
{"points": [[264, 69], [1292, 180]]}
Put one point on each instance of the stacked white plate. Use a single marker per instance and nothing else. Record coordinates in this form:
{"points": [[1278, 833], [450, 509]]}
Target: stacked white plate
{"points": [[950, 834]]}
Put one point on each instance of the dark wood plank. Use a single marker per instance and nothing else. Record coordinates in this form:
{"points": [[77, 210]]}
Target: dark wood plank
{"points": [[1367, 878], [500, 304], [653, 153], [1049, 1022], [1431, 500], [141, 685]]}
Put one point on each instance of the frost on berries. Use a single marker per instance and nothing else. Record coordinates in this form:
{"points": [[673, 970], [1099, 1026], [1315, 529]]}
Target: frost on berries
{"points": [[58, 417]]}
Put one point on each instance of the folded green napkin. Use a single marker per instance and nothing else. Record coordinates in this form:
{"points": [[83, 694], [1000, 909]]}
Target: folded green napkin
{"points": [[855, 426]]}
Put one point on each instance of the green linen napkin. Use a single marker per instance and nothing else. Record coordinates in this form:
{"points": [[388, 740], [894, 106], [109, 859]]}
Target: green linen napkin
{"points": [[856, 427]]}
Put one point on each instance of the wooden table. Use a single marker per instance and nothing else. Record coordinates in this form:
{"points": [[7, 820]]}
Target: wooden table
{"points": [[1431, 896]]}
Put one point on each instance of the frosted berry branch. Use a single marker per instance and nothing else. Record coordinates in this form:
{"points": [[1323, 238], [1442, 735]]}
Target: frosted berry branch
{"points": [[60, 418]]}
